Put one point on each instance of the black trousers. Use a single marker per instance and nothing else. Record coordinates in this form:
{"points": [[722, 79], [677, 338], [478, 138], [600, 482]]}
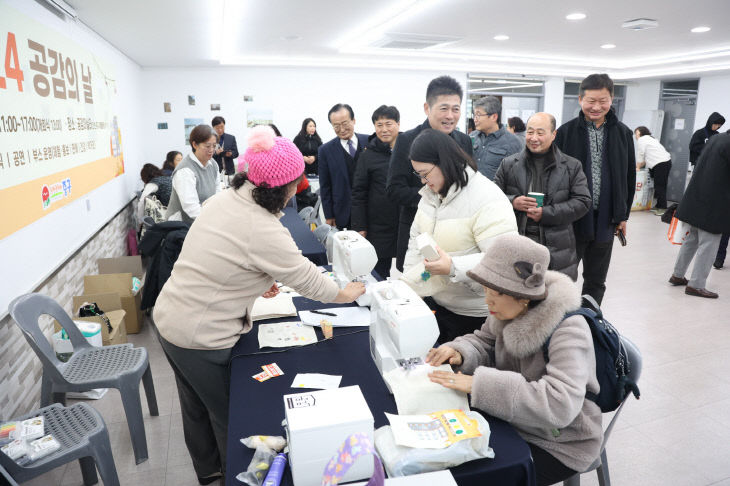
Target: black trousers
{"points": [[722, 249], [660, 174], [203, 380], [548, 469], [383, 267], [452, 325], [596, 259]]}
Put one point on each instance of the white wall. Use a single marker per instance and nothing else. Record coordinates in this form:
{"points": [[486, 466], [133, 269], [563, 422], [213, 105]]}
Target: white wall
{"points": [[291, 93], [643, 95], [553, 102], [34, 252], [713, 96]]}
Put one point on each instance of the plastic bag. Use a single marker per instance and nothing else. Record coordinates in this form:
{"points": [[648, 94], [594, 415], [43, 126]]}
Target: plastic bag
{"points": [[267, 446], [258, 467], [405, 461]]}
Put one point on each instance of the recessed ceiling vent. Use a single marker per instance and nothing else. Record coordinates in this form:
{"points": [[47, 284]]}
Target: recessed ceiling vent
{"points": [[397, 40], [640, 24]]}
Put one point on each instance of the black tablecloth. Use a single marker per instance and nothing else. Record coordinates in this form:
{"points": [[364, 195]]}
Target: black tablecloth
{"points": [[258, 408], [305, 239]]}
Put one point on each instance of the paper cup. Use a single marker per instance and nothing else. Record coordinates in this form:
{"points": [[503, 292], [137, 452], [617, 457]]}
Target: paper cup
{"points": [[326, 328], [537, 196]]}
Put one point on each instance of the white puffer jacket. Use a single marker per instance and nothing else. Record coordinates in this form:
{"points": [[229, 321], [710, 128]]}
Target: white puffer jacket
{"points": [[463, 224]]}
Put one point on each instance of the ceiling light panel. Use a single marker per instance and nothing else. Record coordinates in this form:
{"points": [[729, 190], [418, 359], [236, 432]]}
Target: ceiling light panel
{"points": [[575, 16]]}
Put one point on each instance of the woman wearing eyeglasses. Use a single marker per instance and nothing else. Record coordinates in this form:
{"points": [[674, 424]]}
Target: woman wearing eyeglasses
{"points": [[194, 179], [463, 211]]}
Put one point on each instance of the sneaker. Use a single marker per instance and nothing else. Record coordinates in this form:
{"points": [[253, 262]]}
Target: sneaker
{"points": [[700, 293], [718, 264]]}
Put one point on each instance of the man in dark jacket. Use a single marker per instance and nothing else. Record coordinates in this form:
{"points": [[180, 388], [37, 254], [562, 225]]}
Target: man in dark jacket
{"points": [[373, 213], [337, 162], [227, 152], [701, 136], [443, 109], [696, 145], [542, 168], [704, 207], [605, 148]]}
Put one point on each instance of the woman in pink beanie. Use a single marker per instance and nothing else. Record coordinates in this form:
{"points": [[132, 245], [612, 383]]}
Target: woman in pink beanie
{"points": [[233, 253]]}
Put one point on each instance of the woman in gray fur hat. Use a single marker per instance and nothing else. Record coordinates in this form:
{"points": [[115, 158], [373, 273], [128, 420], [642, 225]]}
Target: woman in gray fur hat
{"points": [[503, 368]]}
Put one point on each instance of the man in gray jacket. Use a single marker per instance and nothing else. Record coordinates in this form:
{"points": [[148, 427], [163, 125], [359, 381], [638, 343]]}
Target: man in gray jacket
{"points": [[491, 141], [542, 168]]}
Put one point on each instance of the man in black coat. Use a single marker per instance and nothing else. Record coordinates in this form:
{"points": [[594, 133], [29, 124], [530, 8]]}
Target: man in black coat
{"points": [[701, 136], [696, 145], [542, 168], [374, 215], [704, 208], [443, 109], [605, 148]]}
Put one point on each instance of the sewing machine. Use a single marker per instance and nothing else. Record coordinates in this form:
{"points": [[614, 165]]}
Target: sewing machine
{"points": [[353, 258], [402, 327]]}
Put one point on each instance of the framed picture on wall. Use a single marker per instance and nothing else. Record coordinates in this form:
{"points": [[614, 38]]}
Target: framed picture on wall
{"points": [[215, 107], [191, 100], [167, 107], [162, 126]]}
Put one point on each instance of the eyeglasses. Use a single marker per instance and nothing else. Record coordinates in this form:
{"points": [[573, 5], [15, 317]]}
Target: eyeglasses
{"points": [[476, 115], [209, 146], [338, 126], [423, 176]]}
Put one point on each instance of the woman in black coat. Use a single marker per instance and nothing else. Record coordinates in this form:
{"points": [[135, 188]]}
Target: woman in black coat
{"points": [[308, 142], [373, 213]]}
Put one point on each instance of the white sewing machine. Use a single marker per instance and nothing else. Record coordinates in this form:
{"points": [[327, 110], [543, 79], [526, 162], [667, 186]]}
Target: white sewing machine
{"points": [[353, 258], [402, 327]]}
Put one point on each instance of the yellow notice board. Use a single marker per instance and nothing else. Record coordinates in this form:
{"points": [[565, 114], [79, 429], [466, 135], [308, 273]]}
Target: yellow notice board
{"points": [[59, 136]]}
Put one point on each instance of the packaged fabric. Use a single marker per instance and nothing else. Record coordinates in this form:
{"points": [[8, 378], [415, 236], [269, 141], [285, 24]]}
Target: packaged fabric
{"points": [[7, 432], [15, 449], [406, 461], [32, 429], [42, 447]]}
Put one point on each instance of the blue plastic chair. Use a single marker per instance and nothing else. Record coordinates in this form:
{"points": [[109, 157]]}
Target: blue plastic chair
{"points": [[120, 366], [82, 434]]}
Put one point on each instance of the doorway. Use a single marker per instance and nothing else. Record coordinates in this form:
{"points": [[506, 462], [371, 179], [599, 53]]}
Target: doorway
{"points": [[679, 102]]}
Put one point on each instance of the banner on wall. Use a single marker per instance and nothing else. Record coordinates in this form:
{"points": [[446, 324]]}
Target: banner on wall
{"points": [[59, 136]]}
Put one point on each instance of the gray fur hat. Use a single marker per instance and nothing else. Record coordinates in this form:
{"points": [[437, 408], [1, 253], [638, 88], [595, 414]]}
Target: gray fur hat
{"points": [[514, 265]]}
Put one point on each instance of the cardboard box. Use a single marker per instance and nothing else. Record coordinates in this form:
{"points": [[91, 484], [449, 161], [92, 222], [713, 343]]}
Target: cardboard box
{"points": [[111, 304], [125, 264], [133, 265], [119, 283]]}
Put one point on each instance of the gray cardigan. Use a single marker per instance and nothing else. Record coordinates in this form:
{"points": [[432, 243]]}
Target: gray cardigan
{"points": [[545, 403]]}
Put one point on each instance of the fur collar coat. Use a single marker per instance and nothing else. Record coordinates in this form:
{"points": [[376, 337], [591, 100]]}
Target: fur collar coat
{"points": [[545, 402]]}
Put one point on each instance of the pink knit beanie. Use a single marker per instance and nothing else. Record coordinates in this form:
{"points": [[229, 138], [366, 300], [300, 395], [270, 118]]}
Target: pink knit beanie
{"points": [[271, 159]]}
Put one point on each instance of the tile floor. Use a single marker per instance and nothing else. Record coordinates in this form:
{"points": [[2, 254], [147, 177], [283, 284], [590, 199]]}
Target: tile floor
{"points": [[677, 434]]}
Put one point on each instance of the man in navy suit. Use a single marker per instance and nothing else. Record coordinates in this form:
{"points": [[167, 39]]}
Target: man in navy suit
{"points": [[337, 161], [227, 152]]}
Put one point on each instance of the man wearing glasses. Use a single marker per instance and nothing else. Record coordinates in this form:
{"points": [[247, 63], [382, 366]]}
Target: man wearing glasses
{"points": [[491, 141], [337, 162], [443, 110]]}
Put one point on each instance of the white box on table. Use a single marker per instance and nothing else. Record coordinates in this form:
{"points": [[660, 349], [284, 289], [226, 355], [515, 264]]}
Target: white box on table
{"points": [[317, 423]]}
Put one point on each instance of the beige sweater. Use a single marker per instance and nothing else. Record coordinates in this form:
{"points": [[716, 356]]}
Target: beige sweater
{"points": [[546, 404], [231, 255]]}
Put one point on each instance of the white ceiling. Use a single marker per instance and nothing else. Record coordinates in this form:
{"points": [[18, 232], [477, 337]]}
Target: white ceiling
{"points": [[206, 33]]}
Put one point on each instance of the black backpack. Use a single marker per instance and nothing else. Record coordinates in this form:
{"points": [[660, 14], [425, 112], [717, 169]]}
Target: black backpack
{"points": [[612, 362]]}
